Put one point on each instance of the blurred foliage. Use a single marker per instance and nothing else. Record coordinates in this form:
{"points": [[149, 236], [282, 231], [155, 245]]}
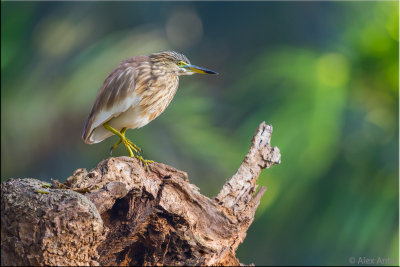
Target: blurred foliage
{"points": [[324, 74]]}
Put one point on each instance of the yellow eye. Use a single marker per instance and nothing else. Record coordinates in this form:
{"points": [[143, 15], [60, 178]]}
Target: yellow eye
{"points": [[180, 63]]}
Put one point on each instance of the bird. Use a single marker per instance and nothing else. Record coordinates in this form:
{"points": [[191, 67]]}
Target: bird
{"points": [[136, 92]]}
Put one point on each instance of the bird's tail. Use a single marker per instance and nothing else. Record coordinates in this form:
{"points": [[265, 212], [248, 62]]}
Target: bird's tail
{"points": [[97, 135]]}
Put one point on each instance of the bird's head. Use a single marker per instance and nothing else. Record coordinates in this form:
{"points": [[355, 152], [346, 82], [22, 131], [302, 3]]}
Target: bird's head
{"points": [[177, 63]]}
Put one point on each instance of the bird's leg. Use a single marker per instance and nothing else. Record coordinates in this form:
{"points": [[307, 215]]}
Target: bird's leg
{"points": [[128, 145], [130, 142], [138, 156], [119, 141], [123, 139]]}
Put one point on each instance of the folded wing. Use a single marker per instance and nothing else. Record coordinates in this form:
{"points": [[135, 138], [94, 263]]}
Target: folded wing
{"points": [[114, 97]]}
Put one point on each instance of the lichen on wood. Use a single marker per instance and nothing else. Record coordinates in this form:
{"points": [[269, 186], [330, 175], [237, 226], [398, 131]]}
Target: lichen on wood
{"points": [[120, 214]]}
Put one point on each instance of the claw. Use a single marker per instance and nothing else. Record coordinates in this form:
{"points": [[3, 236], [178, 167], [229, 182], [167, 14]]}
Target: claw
{"points": [[115, 146], [144, 161], [46, 185]]}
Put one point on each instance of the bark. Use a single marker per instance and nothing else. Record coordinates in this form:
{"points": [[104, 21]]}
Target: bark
{"points": [[119, 214]]}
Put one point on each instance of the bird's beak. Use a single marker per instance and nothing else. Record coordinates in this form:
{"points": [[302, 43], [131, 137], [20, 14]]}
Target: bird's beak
{"points": [[198, 69]]}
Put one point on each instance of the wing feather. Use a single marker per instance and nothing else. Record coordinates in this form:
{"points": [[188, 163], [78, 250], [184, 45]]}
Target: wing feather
{"points": [[116, 95]]}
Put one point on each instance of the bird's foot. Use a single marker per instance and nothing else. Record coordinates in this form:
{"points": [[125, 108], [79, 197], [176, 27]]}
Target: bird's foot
{"points": [[43, 189], [145, 162], [129, 145], [133, 150], [133, 146]]}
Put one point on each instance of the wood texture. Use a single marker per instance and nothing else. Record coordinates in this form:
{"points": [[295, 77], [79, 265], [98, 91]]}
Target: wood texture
{"points": [[124, 215]]}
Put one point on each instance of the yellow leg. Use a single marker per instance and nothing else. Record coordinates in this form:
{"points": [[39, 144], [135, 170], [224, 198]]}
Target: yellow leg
{"points": [[44, 189], [129, 142], [115, 146], [144, 161], [129, 145], [123, 139], [119, 141]]}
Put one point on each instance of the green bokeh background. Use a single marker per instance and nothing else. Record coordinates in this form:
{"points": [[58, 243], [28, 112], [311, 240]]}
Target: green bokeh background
{"points": [[324, 74]]}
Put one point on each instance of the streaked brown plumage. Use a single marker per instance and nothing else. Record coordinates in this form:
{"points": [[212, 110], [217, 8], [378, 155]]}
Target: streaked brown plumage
{"points": [[137, 91]]}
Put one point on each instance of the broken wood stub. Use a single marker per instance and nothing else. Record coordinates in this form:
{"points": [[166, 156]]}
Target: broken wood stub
{"points": [[127, 216]]}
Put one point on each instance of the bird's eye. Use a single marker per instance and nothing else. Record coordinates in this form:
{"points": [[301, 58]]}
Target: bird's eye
{"points": [[180, 63]]}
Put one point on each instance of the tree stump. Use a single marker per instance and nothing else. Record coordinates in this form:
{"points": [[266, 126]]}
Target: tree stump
{"points": [[119, 214]]}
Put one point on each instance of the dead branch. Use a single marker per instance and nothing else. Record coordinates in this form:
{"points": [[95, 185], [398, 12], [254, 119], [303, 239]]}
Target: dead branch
{"points": [[119, 214]]}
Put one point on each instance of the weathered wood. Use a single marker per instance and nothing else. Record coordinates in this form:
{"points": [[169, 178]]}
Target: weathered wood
{"points": [[127, 216]]}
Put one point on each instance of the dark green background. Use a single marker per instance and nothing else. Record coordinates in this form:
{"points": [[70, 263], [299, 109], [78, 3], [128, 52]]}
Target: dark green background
{"points": [[324, 74]]}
